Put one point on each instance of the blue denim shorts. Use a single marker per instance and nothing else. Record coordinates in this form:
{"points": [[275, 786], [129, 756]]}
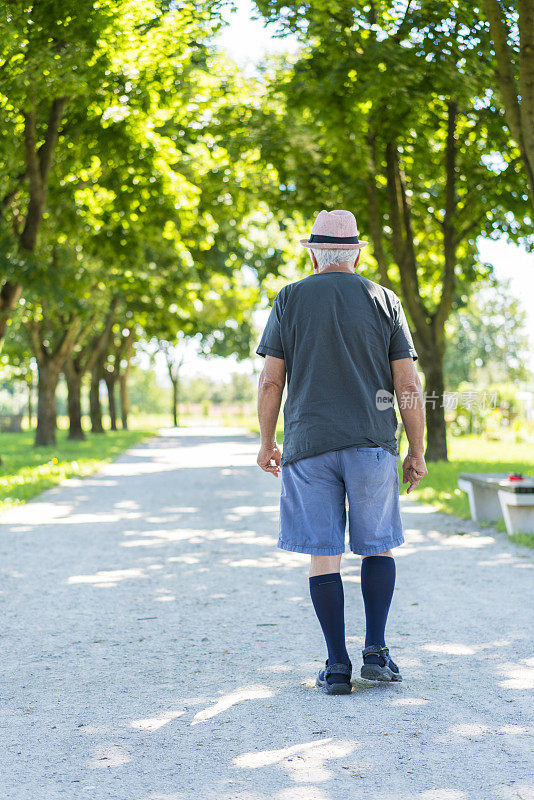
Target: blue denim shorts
{"points": [[313, 503]]}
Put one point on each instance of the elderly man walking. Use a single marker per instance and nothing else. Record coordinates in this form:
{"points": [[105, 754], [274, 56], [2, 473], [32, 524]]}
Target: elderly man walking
{"points": [[344, 343]]}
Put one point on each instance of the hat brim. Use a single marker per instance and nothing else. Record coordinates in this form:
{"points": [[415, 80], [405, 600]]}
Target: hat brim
{"points": [[332, 245]]}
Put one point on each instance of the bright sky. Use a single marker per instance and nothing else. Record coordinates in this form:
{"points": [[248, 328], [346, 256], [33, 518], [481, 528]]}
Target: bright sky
{"points": [[246, 40]]}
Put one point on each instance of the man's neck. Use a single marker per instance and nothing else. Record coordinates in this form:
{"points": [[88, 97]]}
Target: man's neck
{"points": [[335, 268]]}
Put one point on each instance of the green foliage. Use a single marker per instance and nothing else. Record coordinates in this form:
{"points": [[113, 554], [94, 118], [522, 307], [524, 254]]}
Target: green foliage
{"points": [[143, 203], [487, 339], [371, 74], [146, 395], [239, 389]]}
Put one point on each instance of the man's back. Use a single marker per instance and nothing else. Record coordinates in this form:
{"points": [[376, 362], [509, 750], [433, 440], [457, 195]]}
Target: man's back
{"points": [[337, 332]]}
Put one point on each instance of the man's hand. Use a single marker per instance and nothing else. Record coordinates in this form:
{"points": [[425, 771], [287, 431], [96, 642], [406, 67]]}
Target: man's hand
{"points": [[267, 454], [413, 470]]}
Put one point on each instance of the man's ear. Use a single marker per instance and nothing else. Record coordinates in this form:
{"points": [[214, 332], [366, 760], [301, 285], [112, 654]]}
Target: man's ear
{"points": [[314, 260], [357, 259]]}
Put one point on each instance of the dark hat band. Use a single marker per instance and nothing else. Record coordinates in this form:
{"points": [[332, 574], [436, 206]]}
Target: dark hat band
{"points": [[318, 239]]}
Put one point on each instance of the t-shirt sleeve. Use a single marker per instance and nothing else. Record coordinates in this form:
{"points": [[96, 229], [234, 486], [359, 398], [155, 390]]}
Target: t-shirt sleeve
{"points": [[271, 340], [400, 343]]}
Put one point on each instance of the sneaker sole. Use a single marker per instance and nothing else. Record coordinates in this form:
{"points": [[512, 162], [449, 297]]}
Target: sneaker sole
{"points": [[334, 688], [374, 672]]}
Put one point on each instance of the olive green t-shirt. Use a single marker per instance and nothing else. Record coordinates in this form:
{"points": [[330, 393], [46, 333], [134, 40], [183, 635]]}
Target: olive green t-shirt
{"points": [[337, 333]]}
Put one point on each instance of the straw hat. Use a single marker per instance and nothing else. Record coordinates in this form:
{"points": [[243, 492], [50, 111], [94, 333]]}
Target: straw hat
{"points": [[334, 230]]}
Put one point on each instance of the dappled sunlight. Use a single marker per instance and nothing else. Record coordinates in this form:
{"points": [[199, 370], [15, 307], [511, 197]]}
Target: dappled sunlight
{"points": [[277, 669], [25, 518], [414, 535], [410, 701], [111, 755], [513, 730], [461, 649], [265, 562], [451, 649], [303, 762], [154, 723], [247, 510], [515, 559], [518, 675], [129, 469], [519, 791], [469, 541], [108, 578], [128, 504], [216, 432], [250, 537], [99, 517], [182, 510], [186, 559], [473, 729], [198, 658], [469, 729], [478, 731], [300, 792], [232, 699]]}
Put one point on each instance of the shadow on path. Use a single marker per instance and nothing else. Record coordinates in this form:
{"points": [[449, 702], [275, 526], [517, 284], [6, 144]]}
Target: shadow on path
{"points": [[158, 645]]}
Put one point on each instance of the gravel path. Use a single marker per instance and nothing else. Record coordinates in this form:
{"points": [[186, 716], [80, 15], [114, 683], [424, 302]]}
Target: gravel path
{"points": [[158, 646]]}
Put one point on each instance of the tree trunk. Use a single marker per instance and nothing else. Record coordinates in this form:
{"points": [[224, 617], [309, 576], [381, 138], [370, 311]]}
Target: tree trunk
{"points": [[95, 406], [46, 404], [125, 397], [30, 401], [175, 401], [436, 434], [74, 385], [110, 386], [9, 297]]}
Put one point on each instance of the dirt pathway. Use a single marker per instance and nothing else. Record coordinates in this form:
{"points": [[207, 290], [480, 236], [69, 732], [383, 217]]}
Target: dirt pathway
{"points": [[156, 645]]}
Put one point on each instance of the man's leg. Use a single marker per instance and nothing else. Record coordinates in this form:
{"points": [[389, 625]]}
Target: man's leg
{"points": [[326, 590], [378, 583]]}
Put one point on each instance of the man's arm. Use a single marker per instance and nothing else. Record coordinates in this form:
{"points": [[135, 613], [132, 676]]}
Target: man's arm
{"points": [[270, 389], [411, 406]]}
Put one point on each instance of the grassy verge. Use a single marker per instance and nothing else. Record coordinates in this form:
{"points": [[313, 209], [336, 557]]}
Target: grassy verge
{"points": [[27, 470], [471, 454]]}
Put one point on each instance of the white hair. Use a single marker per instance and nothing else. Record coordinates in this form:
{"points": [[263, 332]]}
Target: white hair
{"points": [[335, 257]]}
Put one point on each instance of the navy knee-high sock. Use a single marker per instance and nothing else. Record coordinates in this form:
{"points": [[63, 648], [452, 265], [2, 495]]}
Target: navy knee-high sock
{"points": [[378, 582], [328, 601]]}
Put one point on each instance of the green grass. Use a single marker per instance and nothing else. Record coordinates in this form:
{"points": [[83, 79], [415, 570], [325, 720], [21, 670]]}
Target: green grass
{"points": [[27, 470], [470, 454], [525, 539]]}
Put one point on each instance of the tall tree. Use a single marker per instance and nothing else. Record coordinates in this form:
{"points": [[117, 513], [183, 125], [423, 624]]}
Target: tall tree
{"points": [[67, 75], [512, 32], [418, 165], [81, 361], [49, 55]]}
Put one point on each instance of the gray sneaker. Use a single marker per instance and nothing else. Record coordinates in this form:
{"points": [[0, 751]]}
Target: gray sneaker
{"points": [[385, 670]]}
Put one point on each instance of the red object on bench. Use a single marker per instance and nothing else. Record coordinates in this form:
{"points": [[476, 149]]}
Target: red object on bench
{"points": [[514, 476]]}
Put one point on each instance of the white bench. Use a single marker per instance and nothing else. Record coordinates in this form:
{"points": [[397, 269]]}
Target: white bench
{"points": [[492, 496]]}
